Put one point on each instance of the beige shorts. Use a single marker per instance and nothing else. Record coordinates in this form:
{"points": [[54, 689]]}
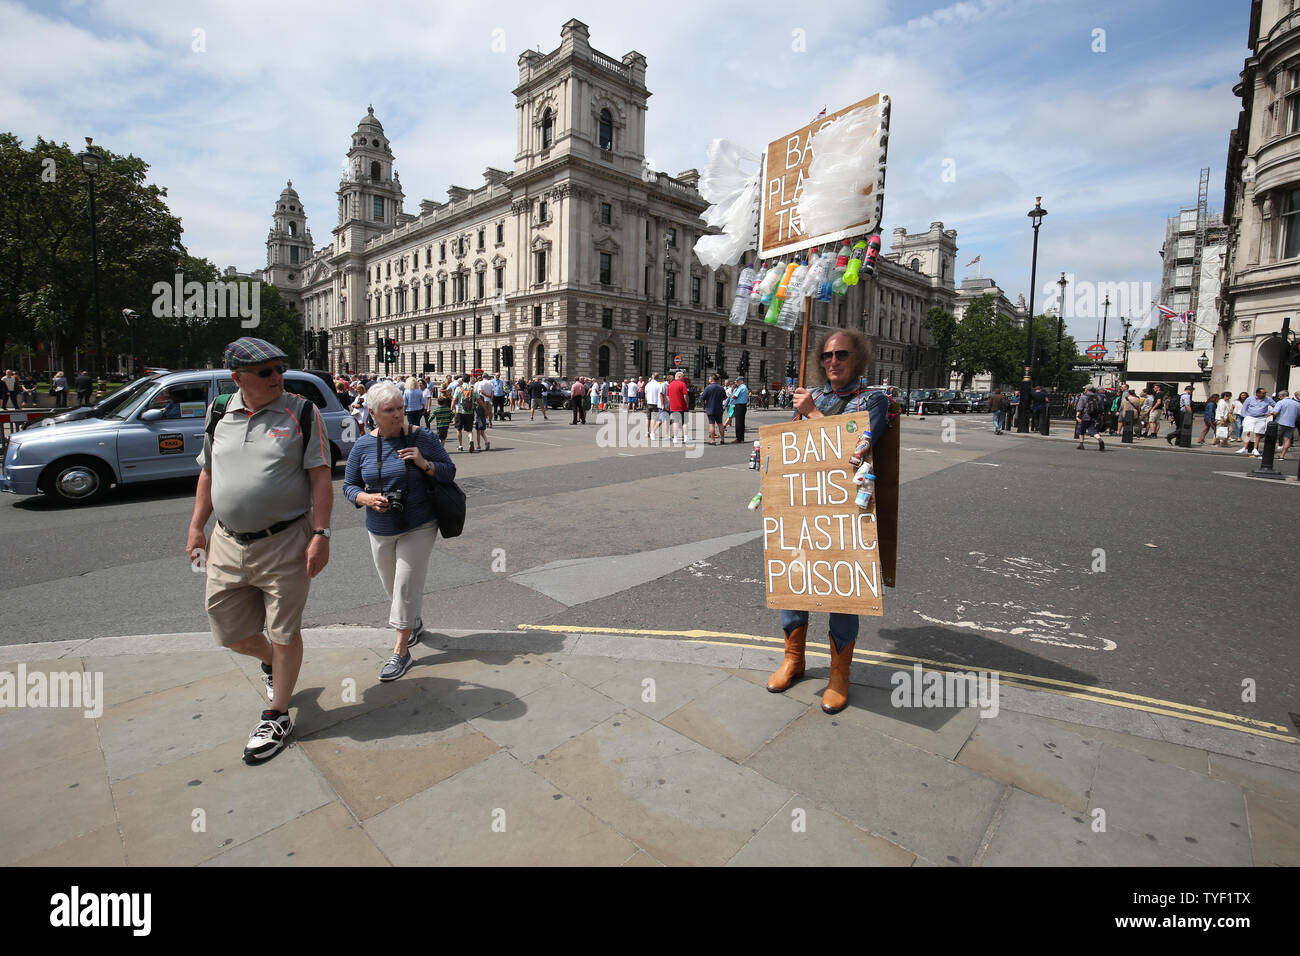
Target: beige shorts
{"points": [[262, 584]]}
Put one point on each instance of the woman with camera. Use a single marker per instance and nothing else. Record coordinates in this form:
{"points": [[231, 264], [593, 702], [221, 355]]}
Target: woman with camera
{"points": [[386, 475]]}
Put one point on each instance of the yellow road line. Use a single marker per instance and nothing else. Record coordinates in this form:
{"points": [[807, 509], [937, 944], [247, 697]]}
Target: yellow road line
{"points": [[1153, 705]]}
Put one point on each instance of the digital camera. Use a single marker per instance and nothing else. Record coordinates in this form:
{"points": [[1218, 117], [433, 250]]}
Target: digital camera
{"points": [[396, 501]]}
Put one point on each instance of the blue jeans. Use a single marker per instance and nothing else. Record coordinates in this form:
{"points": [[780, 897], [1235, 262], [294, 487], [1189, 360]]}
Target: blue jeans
{"points": [[997, 420], [844, 627]]}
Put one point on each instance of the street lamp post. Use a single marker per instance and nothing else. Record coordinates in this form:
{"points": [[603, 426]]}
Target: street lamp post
{"points": [[1036, 214], [1060, 326], [1104, 316], [130, 316], [90, 164], [668, 278]]}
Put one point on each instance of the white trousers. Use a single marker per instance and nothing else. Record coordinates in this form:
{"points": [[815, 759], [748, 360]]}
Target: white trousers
{"points": [[402, 561]]}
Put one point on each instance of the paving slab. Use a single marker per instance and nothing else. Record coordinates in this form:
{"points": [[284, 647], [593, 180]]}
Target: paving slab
{"points": [[1272, 782], [584, 668], [156, 809], [33, 737], [807, 690], [937, 730], [735, 718], [378, 759], [536, 724], [496, 813], [1277, 753], [919, 801], [681, 803], [1034, 831], [802, 834], [328, 836], [657, 649], [151, 731], [1274, 830], [642, 858], [1179, 809], [470, 683], [1036, 756], [673, 685], [1189, 758], [101, 847], [12, 654], [46, 806], [128, 676]]}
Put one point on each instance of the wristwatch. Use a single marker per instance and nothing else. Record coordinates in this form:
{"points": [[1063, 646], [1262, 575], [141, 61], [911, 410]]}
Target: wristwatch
{"points": [[322, 531]]}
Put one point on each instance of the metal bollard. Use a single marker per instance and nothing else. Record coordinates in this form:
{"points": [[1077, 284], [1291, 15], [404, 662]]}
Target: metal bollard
{"points": [[1266, 469]]}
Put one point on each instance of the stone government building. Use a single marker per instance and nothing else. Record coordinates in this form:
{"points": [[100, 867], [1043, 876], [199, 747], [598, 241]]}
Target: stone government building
{"points": [[564, 257]]}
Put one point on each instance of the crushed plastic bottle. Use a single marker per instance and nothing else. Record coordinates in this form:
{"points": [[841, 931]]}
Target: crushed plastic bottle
{"points": [[855, 262], [740, 307], [866, 488], [778, 298], [841, 263], [755, 501]]}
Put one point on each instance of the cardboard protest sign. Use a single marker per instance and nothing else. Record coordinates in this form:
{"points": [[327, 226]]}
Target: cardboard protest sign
{"points": [[821, 552]]}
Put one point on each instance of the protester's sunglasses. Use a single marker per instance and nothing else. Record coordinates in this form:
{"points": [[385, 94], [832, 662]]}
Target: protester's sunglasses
{"points": [[273, 370], [840, 354]]}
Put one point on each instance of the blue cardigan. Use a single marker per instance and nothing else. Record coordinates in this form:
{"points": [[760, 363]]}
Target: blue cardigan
{"points": [[363, 470]]}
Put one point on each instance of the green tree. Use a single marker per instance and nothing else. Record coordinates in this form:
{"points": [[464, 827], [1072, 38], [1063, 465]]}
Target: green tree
{"points": [[943, 329], [986, 341]]}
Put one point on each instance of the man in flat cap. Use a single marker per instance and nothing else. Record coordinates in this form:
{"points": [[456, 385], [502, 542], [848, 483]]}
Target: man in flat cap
{"points": [[266, 476]]}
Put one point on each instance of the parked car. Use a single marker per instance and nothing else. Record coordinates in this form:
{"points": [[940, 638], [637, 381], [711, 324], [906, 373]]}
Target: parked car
{"points": [[149, 430], [979, 401], [954, 401], [931, 398], [557, 394]]}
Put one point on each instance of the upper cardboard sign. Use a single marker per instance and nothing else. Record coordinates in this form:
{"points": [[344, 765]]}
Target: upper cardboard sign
{"points": [[784, 170]]}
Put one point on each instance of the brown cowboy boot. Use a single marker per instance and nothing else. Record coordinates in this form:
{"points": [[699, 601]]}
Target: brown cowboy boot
{"points": [[836, 695], [791, 668]]}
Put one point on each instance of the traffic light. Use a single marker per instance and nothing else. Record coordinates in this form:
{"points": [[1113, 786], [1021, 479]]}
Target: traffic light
{"points": [[743, 366], [1294, 350], [789, 369], [555, 361], [508, 356]]}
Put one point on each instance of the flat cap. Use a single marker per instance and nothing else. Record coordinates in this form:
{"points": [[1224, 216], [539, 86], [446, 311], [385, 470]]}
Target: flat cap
{"points": [[247, 351]]}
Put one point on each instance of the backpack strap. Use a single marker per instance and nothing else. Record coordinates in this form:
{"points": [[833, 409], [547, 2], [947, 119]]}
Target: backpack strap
{"points": [[306, 419], [217, 413]]}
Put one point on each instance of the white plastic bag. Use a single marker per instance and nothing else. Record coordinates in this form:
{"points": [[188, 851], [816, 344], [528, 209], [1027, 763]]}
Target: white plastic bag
{"points": [[844, 175], [734, 195]]}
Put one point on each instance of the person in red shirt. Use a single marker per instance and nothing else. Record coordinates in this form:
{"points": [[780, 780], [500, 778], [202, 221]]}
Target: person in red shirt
{"points": [[578, 399], [678, 400]]}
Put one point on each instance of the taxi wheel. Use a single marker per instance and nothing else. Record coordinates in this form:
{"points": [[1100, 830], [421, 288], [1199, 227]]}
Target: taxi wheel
{"points": [[76, 481]]}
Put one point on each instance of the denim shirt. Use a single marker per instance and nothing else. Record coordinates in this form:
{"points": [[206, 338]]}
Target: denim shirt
{"points": [[876, 404], [363, 471]]}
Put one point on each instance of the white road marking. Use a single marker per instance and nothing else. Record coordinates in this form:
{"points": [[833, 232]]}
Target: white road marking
{"points": [[988, 463], [532, 441], [1017, 620], [698, 569]]}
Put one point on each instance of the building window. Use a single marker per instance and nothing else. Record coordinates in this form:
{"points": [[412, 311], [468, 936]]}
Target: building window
{"points": [[695, 290], [478, 326], [606, 268], [293, 254], [482, 239], [647, 230], [606, 318], [428, 255], [672, 286], [602, 363], [647, 280], [1293, 101], [548, 129], [379, 208], [479, 278], [671, 236], [539, 264], [440, 329], [915, 264], [442, 291], [415, 260], [606, 213], [442, 252], [388, 303], [719, 295], [537, 316], [722, 334], [606, 130], [462, 326], [1290, 224], [426, 334], [744, 336], [496, 323], [388, 270], [501, 232], [699, 331], [428, 296], [543, 211], [500, 275]]}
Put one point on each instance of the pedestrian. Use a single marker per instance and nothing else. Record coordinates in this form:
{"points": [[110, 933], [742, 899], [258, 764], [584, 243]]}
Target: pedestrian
{"points": [[652, 398], [442, 417], [1223, 420], [1013, 411], [483, 413], [1087, 412], [84, 386], [1038, 407], [413, 401], [1286, 410], [1157, 410], [675, 402], [1130, 410], [578, 399], [844, 355], [1238, 419], [1256, 412], [996, 401], [266, 476], [465, 402], [714, 400], [400, 519], [1211, 405], [1183, 415], [536, 398], [740, 402], [498, 398], [29, 390]]}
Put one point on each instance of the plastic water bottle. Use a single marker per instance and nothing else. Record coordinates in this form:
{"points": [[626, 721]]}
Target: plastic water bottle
{"points": [[855, 262], [758, 281], [842, 263], [866, 489], [740, 307], [792, 304], [778, 297], [770, 282], [828, 270], [755, 501], [755, 457]]}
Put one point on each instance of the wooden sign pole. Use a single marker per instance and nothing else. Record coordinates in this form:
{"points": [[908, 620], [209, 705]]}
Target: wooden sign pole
{"points": [[803, 345]]}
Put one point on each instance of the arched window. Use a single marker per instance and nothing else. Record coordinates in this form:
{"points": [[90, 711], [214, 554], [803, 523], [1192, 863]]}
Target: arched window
{"points": [[293, 229], [915, 264], [539, 361], [602, 364], [548, 129], [606, 130], [374, 171]]}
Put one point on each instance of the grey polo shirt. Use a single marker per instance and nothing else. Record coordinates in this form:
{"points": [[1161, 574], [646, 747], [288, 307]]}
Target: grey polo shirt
{"points": [[259, 464]]}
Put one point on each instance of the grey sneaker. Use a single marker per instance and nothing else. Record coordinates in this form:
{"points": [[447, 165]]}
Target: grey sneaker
{"points": [[397, 666], [266, 676]]}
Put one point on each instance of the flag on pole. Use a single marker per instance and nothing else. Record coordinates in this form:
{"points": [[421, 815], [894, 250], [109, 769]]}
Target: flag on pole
{"points": [[972, 262]]}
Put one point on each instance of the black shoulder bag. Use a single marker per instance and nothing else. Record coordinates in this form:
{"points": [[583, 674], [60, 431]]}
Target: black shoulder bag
{"points": [[448, 503]]}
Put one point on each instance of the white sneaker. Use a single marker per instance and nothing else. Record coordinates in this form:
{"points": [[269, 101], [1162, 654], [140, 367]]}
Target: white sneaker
{"points": [[1241, 450], [1255, 454]]}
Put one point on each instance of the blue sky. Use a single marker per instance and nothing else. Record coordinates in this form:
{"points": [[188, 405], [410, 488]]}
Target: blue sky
{"points": [[1014, 98]]}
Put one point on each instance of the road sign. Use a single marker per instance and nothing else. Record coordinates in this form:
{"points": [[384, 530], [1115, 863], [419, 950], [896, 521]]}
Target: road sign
{"points": [[677, 360], [784, 171], [1097, 351], [1095, 367]]}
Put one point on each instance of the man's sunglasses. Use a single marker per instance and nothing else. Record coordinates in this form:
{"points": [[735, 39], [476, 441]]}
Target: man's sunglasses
{"points": [[840, 354], [268, 372]]}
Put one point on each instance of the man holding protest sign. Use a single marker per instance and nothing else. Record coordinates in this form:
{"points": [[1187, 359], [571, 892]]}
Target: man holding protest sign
{"points": [[842, 359]]}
